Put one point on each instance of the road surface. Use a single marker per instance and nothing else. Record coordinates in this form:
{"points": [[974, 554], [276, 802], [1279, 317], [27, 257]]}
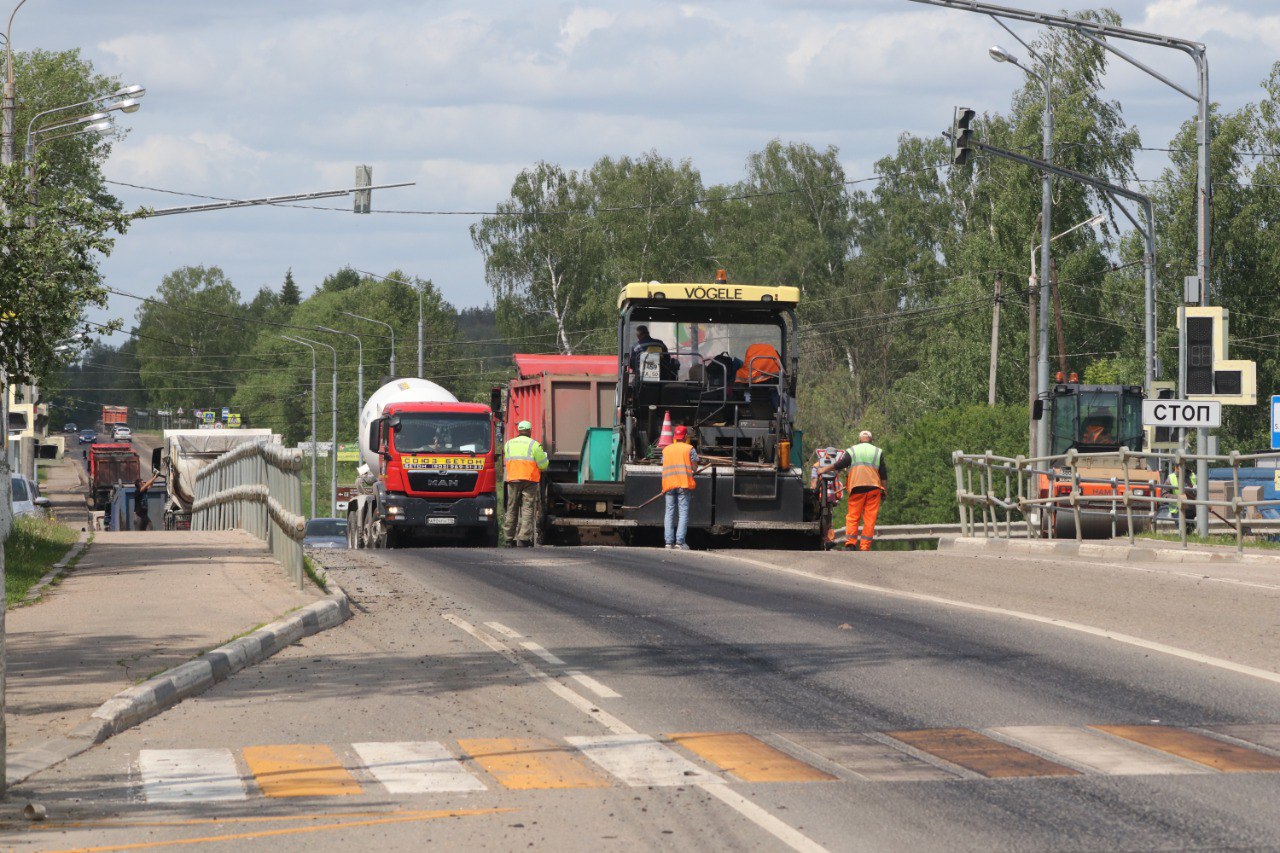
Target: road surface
{"points": [[592, 698]]}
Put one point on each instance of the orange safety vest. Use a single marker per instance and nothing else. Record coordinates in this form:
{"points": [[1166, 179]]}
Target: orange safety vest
{"points": [[864, 470], [677, 466], [766, 366], [520, 461]]}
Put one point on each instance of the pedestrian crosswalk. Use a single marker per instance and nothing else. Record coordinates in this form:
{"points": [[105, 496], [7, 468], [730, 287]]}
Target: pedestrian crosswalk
{"points": [[701, 758]]}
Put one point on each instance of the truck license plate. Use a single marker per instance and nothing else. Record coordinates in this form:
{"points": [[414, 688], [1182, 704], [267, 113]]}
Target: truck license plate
{"points": [[440, 521]]}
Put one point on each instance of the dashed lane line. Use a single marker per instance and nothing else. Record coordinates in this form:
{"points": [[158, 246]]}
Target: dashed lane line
{"points": [[542, 653], [591, 684]]}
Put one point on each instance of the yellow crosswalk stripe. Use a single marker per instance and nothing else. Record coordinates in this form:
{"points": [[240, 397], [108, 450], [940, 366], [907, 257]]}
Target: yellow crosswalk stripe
{"points": [[981, 754], [1218, 754], [300, 770], [527, 763], [749, 758]]}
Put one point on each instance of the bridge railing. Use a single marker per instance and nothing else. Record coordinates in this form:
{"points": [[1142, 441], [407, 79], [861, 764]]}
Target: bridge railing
{"points": [[258, 488], [1001, 496]]}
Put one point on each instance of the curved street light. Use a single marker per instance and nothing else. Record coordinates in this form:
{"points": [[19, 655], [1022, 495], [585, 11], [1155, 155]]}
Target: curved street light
{"points": [[313, 417], [388, 328]]}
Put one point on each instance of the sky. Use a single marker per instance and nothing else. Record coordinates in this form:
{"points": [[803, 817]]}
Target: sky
{"points": [[252, 98]]}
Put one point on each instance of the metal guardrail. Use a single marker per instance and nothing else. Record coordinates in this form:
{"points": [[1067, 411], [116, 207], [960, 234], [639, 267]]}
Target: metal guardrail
{"points": [[258, 488], [1030, 488]]}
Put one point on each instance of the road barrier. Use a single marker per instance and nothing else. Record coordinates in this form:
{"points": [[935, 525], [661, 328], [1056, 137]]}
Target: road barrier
{"points": [[1000, 496], [258, 488]]}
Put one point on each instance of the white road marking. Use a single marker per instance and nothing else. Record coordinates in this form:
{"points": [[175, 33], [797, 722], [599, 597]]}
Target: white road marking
{"points": [[780, 830], [1130, 567], [542, 653], [503, 630], [784, 832], [1099, 752], [601, 690], [582, 703], [416, 767], [1174, 651], [186, 775], [867, 757], [640, 761]]}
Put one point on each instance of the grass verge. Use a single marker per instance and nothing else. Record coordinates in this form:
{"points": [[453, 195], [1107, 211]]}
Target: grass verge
{"points": [[1217, 539], [316, 575], [34, 545]]}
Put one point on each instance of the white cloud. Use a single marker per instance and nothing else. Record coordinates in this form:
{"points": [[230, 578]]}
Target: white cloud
{"points": [[580, 23]]}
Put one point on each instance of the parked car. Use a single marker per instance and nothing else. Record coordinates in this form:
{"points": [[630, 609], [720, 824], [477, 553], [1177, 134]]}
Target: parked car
{"points": [[69, 427], [325, 533], [27, 499], [120, 432], [88, 436]]}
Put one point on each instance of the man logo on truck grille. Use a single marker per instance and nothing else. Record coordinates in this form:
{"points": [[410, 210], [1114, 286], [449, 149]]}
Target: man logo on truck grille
{"points": [[443, 484]]}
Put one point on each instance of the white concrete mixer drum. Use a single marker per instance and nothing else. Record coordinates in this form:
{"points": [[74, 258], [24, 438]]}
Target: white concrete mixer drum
{"points": [[398, 391]]}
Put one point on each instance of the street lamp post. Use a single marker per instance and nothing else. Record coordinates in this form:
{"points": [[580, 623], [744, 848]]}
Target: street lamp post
{"points": [[333, 441], [420, 289], [387, 326], [999, 54], [359, 369], [313, 419]]}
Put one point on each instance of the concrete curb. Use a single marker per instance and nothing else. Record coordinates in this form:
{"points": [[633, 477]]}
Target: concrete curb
{"points": [[155, 695], [1123, 552], [58, 570]]}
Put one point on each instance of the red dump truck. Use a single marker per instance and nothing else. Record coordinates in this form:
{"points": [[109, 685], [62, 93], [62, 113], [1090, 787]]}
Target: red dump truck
{"points": [[109, 466], [112, 415], [562, 396]]}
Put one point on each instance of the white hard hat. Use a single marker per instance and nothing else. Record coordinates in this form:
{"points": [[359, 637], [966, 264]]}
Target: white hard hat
{"points": [[865, 435]]}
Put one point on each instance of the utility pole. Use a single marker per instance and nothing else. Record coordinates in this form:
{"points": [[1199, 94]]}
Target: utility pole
{"points": [[420, 331], [1057, 317], [1032, 391], [995, 342]]}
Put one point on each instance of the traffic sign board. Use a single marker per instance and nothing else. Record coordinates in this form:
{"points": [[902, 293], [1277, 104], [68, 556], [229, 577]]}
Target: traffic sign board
{"points": [[1189, 414], [1275, 422]]}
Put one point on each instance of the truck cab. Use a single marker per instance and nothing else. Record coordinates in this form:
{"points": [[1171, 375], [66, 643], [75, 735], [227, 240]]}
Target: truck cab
{"points": [[436, 477]]}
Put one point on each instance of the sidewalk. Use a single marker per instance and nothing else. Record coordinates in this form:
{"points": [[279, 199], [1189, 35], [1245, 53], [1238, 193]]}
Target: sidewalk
{"points": [[136, 604]]}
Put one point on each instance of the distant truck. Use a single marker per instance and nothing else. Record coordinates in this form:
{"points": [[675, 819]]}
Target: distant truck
{"points": [[182, 455], [109, 466], [114, 415], [428, 471]]}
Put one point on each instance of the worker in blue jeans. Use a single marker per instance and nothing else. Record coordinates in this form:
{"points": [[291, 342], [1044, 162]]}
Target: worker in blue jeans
{"points": [[678, 462]]}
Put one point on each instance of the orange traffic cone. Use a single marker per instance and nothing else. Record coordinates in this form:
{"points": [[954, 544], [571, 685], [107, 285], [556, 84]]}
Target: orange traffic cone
{"points": [[667, 435]]}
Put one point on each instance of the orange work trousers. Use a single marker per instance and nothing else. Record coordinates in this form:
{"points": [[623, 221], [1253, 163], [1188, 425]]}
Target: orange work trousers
{"points": [[864, 506]]}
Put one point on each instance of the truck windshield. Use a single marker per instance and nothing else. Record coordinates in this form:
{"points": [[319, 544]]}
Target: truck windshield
{"points": [[432, 432], [694, 345]]}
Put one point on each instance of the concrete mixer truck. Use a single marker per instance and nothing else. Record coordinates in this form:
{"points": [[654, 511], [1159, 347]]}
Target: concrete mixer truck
{"points": [[427, 472]]}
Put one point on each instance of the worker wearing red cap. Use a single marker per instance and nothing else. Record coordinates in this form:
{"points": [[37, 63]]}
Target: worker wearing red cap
{"points": [[678, 462], [868, 478]]}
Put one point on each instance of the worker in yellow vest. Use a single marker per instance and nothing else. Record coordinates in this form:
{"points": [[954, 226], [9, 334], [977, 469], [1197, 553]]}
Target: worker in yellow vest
{"points": [[524, 460], [1176, 487], [678, 462], [868, 480]]}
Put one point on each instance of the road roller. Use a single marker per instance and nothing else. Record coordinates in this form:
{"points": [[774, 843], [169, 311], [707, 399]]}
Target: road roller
{"points": [[1094, 419]]}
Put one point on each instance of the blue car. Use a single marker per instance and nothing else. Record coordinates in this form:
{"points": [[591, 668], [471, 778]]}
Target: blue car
{"points": [[88, 436], [325, 533]]}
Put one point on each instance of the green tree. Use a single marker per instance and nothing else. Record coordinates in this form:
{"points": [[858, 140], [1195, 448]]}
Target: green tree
{"points": [[192, 338], [289, 293], [49, 272], [922, 485], [344, 279], [542, 254]]}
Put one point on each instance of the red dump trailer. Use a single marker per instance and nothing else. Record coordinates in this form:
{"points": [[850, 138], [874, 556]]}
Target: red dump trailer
{"points": [[562, 396], [110, 465]]}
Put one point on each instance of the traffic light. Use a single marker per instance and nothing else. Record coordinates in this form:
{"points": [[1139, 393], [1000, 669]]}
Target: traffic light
{"points": [[961, 136], [1210, 375]]}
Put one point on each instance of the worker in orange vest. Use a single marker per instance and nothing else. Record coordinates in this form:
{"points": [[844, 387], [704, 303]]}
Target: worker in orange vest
{"points": [[524, 460], [678, 462], [868, 479]]}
